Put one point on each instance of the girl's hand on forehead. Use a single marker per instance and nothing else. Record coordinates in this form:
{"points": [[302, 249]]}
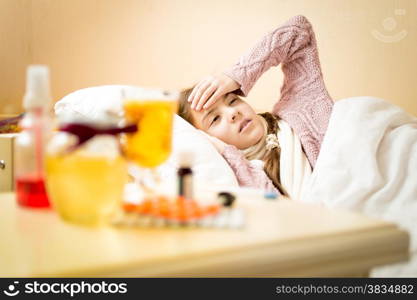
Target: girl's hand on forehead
{"points": [[210, 89], [217, 143]]}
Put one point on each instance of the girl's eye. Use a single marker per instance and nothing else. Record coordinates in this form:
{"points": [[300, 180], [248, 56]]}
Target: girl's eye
{"points": [[214, 120], [234, 100]]}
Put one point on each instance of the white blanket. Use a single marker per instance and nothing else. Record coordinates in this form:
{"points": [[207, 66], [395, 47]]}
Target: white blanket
{"points": [[368, 163]]}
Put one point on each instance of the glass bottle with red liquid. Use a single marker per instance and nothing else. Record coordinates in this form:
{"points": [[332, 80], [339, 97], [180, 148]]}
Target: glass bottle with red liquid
{"points": [[29, 145]]}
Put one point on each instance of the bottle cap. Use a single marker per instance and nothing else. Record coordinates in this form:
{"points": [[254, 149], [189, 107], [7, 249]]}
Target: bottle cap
{"points": [[270, 195], [37, 87], [227, 199], [185, 158]]}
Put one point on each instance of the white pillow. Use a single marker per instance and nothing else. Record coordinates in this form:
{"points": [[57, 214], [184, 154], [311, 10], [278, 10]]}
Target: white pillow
{"points": [[104, 104]]}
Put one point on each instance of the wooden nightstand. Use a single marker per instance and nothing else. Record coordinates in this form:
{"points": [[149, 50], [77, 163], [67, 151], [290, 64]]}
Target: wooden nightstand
{"points": [[6, 162], [280, 239]]}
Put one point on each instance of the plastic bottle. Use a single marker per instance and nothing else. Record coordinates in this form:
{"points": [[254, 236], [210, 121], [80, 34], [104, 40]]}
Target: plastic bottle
{"points": [[30, 143]]}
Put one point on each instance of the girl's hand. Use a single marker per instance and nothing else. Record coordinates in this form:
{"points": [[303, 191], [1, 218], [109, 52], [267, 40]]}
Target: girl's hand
{"points": [[210, 89], [217, 143]]}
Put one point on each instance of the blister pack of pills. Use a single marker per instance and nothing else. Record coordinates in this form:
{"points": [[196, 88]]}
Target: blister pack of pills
{"points": [[180, 212]]}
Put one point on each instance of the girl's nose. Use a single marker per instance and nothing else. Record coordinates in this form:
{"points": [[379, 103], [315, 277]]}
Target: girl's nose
{"points": [[233, 115]]}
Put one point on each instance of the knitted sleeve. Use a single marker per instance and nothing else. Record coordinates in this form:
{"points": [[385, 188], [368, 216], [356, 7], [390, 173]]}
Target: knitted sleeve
{"points": [[282, 45], [248, 173]]}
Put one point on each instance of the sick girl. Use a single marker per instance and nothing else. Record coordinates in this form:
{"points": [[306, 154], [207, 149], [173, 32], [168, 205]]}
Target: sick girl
{"points": [[296, 124]]}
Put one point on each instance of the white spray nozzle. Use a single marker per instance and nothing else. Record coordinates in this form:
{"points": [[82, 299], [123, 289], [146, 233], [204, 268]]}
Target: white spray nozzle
{"points": [[37, 87]]}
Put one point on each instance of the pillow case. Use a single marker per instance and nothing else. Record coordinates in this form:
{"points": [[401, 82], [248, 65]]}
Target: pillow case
{"points": [[103, 104]]}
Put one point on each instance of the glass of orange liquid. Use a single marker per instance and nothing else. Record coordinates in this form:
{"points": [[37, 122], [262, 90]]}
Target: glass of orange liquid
{"points": [[152, 111]]}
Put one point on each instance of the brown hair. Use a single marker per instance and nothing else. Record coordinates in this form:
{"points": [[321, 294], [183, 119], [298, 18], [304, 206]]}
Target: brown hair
{"points": [[271, 158], [184, 107]]}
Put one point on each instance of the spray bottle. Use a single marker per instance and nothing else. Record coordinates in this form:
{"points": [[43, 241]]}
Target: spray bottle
{"points": [[30, 143]]}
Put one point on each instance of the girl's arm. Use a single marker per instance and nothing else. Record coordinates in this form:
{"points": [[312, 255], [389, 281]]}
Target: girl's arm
{"points": [[280, 45], [247, 173], [283, 45], [293, 45], [304, 103]]}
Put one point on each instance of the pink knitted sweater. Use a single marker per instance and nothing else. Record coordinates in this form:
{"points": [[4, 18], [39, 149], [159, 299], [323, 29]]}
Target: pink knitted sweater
{"points": [[304, 102]]}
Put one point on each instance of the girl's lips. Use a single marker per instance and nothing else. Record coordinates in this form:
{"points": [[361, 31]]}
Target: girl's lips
{"points": [[245, 124]]}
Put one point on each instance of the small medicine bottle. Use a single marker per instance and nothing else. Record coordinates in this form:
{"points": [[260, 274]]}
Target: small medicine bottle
{"points": [[185, 175]]}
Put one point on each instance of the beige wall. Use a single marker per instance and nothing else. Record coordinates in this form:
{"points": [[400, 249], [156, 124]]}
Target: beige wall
{"points": [[15, 52], [172, 44]]}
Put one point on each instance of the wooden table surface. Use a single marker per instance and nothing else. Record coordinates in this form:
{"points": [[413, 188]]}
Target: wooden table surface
{"points": [[280, 239]]}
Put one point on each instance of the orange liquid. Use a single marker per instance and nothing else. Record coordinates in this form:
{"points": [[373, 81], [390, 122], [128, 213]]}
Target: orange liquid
{"points": [[151, 144]]}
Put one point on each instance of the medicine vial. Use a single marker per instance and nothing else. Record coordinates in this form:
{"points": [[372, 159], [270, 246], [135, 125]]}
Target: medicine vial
{"points": [[185, 175]]}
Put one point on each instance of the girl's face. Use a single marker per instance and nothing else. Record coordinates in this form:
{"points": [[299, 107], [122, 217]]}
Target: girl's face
{"points": [[231, 120]]}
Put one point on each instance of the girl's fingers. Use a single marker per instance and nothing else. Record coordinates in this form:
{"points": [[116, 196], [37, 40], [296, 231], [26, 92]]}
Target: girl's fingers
{"points": [[203, 99], [194, 91], [199, 90], [201, 84], [218, 93]]}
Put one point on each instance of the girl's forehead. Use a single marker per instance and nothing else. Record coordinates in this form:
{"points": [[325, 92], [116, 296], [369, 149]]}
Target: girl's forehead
{"points": [[219, 102], [198, 116]]}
